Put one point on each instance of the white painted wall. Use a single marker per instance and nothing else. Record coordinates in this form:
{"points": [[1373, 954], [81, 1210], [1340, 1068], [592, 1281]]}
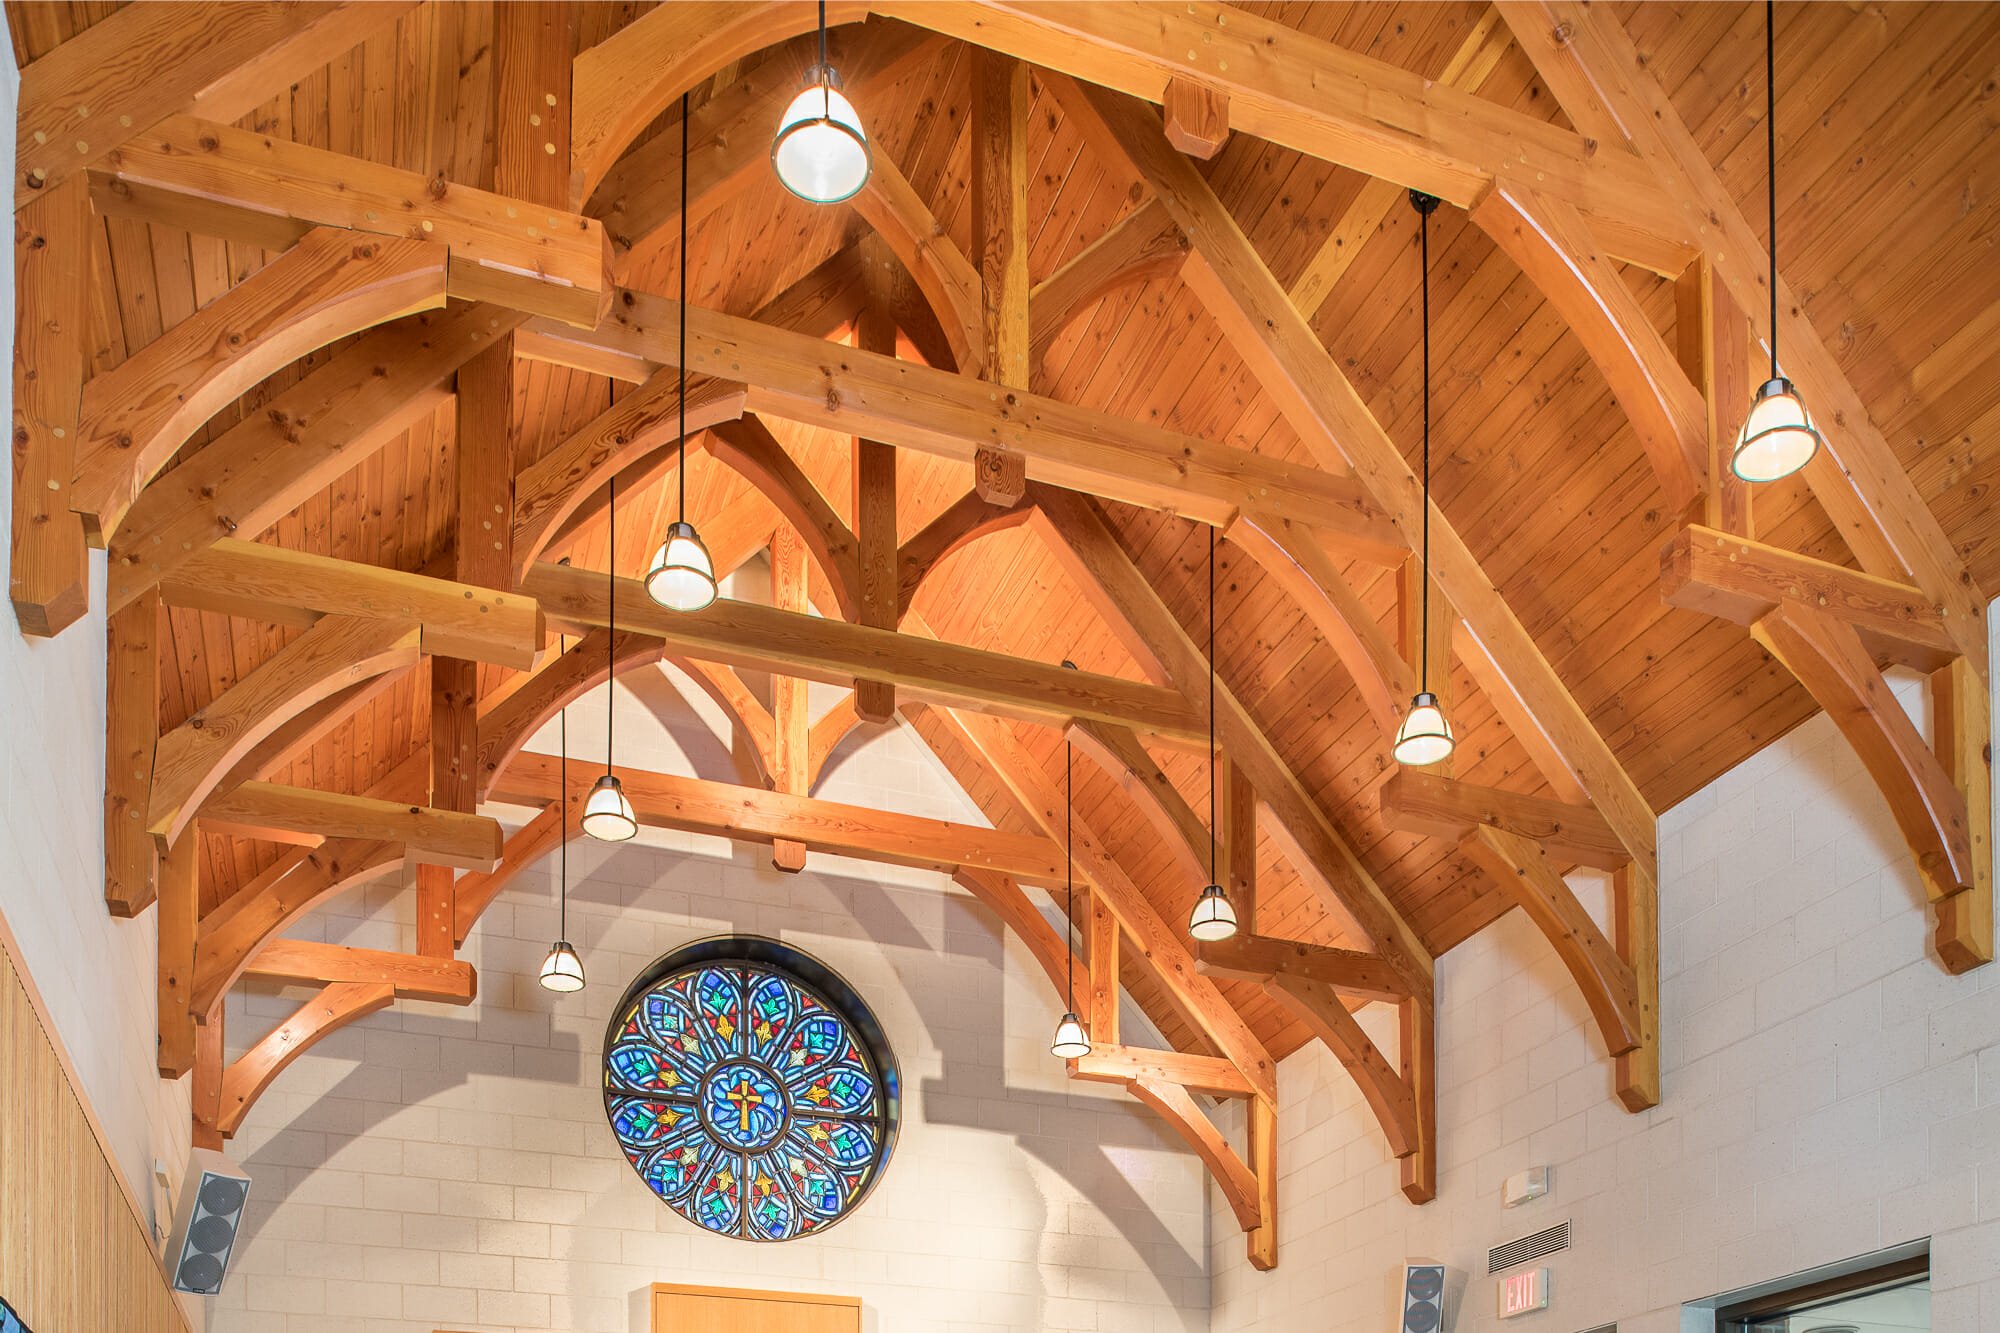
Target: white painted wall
{"points": [[94, 973], [439, 1167], [1829, 1091]]}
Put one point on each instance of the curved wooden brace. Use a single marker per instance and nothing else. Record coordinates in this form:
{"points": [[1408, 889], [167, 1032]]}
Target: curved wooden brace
{"points": [[1828, 657], [1293, 558], [192, 760], [1119, 752], [1143, 245], [1523, 872], [332, 1009], [835, 725], [756, 730], [1175, 1105], [473, 894], [1006, 900], [946, 277], [506, 722], [647, 419], [969, 518], [625, 82], [1549, 241], [1319, 1007], [748, 446], [331, 284]]}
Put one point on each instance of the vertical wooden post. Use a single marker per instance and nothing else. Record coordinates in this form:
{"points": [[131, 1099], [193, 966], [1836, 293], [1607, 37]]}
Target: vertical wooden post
{"points": [[1963, 726], [1102, 1020], [1712, 341], [49, 581], [1417, 1043], [1239, 835], [1262, 1142], [1636, 935], [210, 1063], [180, 923], [791, 760], [132, 729], [875, 532], [1000, 244]]}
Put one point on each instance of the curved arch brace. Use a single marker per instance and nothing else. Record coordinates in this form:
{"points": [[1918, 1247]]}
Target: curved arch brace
{"points": [[332, 1009], [331, 284], [193, 759], [1319, 1007], [506, 723], [1176, 1105], [947, 279], [548, 490], [625, 82], [968, 519], [748, 446]]}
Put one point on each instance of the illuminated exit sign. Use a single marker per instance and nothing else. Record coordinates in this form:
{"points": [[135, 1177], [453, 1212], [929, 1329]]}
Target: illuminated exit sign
{"points": [[1523, 1293]]}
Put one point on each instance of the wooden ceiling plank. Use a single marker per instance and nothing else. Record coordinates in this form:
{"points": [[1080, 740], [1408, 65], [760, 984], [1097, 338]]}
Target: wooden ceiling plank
{"points": [[816, 383], [429, 836], [1143, 245], [258, 581], [117, 78], [297, 443], [1741, 580], [748, 635], [1241, 292], [48, 571], [191, 761], [1585, 56], [326, 287], [751, 814], [411, 976], [1421, 801], [1326, 102]]}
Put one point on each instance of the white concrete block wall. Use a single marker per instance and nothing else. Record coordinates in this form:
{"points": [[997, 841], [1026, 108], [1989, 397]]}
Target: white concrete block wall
{"points": [[94, 973], [1829, 1091], [434, 1167]]}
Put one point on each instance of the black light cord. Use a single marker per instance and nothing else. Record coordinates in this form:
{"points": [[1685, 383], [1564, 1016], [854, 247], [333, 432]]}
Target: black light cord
{"points": [[611, 628], [684, 304], [562, 726], [1069, 860], [1771, 159], [1212, 871], [825, 74], [1424, 665]]}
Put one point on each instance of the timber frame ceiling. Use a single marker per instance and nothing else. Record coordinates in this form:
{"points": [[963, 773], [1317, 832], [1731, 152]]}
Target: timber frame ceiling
{"points": [[338, 360]]}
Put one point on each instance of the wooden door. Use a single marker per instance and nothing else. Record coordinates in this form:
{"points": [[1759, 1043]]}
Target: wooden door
{"points": [[678, 1309]]}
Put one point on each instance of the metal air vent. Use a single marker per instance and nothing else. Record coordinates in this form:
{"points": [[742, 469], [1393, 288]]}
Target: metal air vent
{"points": [[1546, 1241]]}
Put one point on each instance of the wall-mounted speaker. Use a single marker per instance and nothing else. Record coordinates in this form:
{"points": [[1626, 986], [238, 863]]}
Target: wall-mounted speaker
{"points": [[206, 1218], [1427, 1293]]}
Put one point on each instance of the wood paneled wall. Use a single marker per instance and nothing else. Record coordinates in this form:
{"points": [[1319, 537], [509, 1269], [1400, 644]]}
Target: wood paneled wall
{"points": [[678, 1309], [74, 1255]]}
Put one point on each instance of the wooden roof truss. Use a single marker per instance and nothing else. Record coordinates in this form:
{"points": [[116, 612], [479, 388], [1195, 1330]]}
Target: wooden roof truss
{"points": [[532, 270]]}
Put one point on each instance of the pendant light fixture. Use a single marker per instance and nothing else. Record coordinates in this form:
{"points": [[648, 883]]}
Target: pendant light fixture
{"points": [[1425, 736], [607, 815], [1071, 1041], [562, 970], [683, 576], [820, 152], [1214, 916], [1778, 436]]}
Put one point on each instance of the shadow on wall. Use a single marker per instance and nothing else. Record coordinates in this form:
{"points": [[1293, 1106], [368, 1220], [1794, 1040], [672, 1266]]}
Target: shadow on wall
{"points": [[1077, 1140]]}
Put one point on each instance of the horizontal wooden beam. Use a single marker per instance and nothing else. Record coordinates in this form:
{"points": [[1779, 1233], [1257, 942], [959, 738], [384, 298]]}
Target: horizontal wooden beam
{"points": [[1262, 957], [752, 814], [428, 836], [817, 383], [1414, 801], [1737, 579], [268, 191], [412, 976], [285, 587], [792, 643], [1207, 1074]]}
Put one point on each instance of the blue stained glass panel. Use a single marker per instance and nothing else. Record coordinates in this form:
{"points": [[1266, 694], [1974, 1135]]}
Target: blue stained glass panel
{"points": [[746, 1100]]}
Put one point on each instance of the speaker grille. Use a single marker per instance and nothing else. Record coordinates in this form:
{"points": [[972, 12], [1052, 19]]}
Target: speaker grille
{"points": [[211, 1234], [1546, 1241], [1423, 1298]]}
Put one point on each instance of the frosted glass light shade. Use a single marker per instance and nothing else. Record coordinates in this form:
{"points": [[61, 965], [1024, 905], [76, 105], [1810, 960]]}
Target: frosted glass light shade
{"points": [[562, 970], [607, 815], [1071, 1042], [682, 577], [1214, 916], [1425, 736], [1778, 437], [820, 151]]}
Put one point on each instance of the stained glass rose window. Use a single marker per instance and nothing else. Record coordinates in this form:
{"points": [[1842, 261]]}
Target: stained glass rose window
{"points": [[750, 1088]]}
